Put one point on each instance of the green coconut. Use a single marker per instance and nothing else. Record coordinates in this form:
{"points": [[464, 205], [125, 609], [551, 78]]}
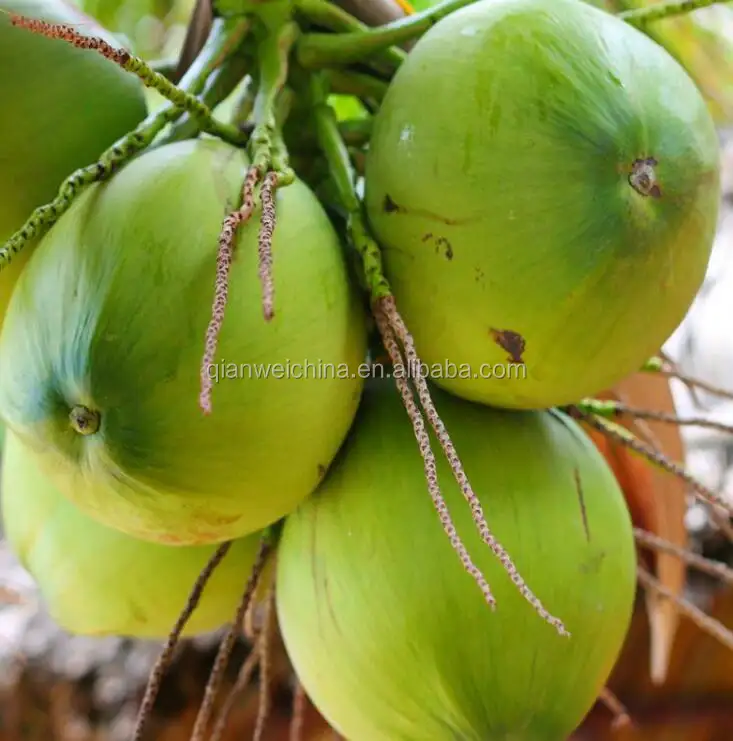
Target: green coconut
{"points": [[95, 580], [61, 108], [546, 209], [102, 347], [394, 641]]}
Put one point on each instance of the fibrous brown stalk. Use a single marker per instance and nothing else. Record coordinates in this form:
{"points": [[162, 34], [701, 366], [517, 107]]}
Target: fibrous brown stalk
{"points": [[298, 715], [166, 655], [708, 624], [227, 645], [265, 646], [705, 565], [621, 717]]}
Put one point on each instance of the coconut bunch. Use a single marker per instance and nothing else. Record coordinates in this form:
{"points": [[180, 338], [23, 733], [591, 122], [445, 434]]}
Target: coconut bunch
{"points": [[343, 353]]}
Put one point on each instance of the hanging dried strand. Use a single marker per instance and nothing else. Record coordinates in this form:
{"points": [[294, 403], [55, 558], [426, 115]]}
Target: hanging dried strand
{"points": [[615, 409], [431, 474], [626, 438], [672, 365], [224, 258], [242, 682], [297, 721], [267, 227], [705, 565], [166, 656], [621, 717], [265, 650], [227, 645], [389, 310], [708, 624], [148, 76]]}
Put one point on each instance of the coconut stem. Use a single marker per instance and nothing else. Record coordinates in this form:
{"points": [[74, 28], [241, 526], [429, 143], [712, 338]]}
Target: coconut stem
{"points": [[629, 440], [44, 217], [660, 11], [166, 656], [181, 99], [319, 50], [615, 409], [706, 623], [227, 645]]}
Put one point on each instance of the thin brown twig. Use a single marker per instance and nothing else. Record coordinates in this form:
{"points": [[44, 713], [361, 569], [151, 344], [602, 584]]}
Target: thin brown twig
{"points": [[705, 622], [166, 655], [224, 259], [243, 679], [628, 439], [621, 717], [390, 311], [227, 645], [669, 418], [696, 383], [268, 627], [702, 564], [298, 715]]}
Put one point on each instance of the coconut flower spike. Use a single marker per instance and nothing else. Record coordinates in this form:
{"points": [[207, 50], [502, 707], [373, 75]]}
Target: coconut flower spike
{"points": [[479, 518]]}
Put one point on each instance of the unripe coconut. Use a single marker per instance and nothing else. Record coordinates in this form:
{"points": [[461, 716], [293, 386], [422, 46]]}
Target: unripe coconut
{"points": [[95, 580], [546, 199], [61, 108], [102, 347], [393, 640]]}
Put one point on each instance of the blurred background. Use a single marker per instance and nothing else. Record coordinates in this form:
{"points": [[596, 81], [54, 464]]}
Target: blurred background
{"points": [[57, 687]]}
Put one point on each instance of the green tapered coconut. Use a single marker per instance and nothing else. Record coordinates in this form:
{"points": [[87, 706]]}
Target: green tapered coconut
{"points": [[61, 108], [98, 581], [546, 199], [102, 346], [393, 640]]}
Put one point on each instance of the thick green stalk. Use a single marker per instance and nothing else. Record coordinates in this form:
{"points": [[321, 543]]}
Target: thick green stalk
{"points": [[669, 9], [358, 84], [344, 179], [43, 217], [317, 50]]}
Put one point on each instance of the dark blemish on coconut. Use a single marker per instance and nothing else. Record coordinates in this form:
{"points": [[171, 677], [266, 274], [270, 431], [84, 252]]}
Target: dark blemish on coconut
{"points": [[84, 421], [327, 596], [389, 206], [643, 178], [442, 244], [321, 470], [512, 342], [479, 275], [581, 500], [427, 237]]}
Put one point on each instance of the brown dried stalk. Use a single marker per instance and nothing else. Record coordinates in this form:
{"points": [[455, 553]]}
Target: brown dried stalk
{"points": [[227, 645], [621, 409], [388, 309], [621, 717], [705, 565], [709, 625], [221, 288], [166, 656], [265, 646], [626, 438], [243, 679], [298, 715]]}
